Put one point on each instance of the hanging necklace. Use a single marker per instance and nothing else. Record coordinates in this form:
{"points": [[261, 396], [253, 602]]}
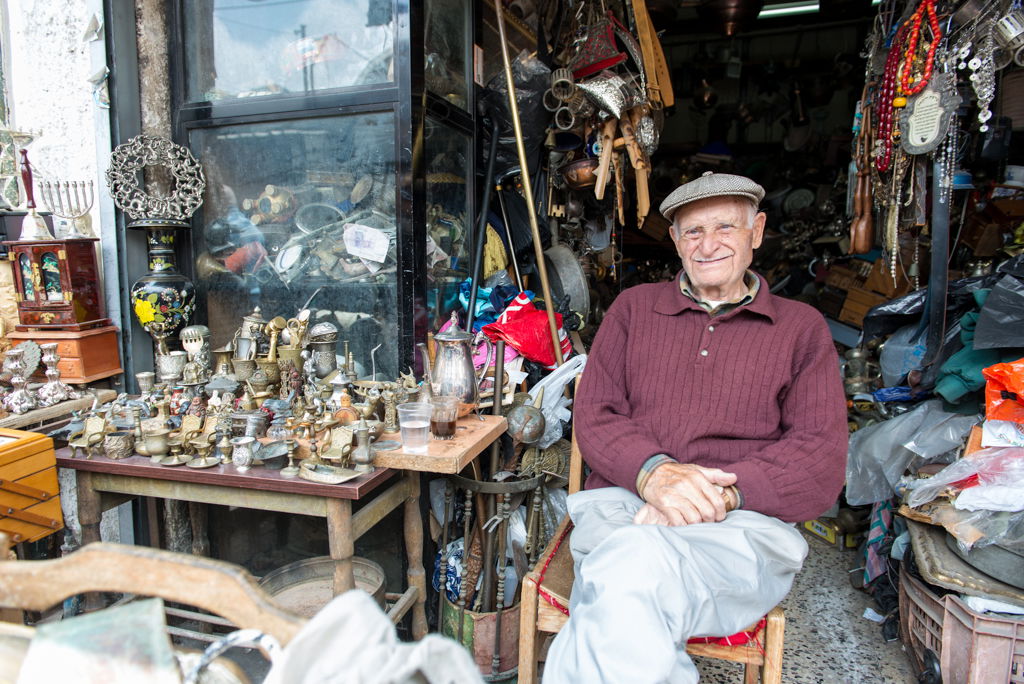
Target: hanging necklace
{"points": [[983, 72], [892, 222], [946, 159], [927, 7], [884, 104]]}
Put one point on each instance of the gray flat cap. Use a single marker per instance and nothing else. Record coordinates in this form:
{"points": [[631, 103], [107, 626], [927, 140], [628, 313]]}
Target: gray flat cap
{"points": [[711, 185]]}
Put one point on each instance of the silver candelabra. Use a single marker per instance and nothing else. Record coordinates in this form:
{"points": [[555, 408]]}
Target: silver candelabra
{"points": [[70, 200]]}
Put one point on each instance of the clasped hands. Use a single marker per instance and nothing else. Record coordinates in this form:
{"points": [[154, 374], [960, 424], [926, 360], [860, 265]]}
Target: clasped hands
{"points": [[684, 494]]}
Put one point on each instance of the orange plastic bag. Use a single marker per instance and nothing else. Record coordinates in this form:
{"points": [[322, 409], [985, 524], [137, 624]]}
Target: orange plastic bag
{"points": [[1004, 391]]}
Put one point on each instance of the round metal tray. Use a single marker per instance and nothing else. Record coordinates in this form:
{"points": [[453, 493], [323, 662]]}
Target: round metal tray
{"points": [[306, 586]]}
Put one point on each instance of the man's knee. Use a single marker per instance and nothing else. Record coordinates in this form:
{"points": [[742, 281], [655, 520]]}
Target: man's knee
{"points": [[638, 554]]}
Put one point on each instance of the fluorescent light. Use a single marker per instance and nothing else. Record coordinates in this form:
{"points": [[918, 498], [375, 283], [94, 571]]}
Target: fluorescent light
{"points": [[785, 9]]}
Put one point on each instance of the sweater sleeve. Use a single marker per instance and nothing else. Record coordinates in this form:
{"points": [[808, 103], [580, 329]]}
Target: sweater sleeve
{"points": [[799, 477], [611, 442]]}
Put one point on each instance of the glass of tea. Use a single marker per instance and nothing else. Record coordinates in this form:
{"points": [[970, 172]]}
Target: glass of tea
{"points": [[443, 412]]}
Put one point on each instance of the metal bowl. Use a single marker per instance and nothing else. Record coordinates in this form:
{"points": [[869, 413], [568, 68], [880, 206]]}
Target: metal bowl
{"points": [[306, 586], [581, 173]]}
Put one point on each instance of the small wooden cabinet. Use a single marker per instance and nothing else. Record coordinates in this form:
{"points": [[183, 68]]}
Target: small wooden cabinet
{"points": [[85, 355], [57, 284]]}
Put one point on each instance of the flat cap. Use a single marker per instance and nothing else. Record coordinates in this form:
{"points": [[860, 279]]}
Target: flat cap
{"points": [[711, 185]]}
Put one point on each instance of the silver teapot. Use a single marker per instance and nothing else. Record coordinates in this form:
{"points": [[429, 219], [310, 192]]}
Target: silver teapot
{"points": [[452, 373]]}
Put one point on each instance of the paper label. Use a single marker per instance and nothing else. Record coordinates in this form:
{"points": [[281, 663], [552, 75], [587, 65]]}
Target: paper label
{"points": [[366, 242]]}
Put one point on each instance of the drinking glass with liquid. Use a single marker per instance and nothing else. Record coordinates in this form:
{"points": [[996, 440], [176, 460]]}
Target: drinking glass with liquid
{"points": [[414, 424], [444, 412]]}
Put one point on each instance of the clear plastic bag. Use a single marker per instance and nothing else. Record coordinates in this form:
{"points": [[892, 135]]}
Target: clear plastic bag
{"points": [[880, 453], [1002, 466], [555, 406]]}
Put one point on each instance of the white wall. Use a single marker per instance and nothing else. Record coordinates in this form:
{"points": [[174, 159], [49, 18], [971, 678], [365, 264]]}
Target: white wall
{"points": [[49, 94], [47, 67]]}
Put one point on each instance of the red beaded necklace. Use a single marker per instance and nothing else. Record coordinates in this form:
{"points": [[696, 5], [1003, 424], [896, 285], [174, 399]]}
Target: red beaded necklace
{"points": [[926, 7], [884, 102]]}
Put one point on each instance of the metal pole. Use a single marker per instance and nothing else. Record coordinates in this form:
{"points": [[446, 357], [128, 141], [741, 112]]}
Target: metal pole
{"points": [[481, 230], [499, 377], [938, 277], [527, 189]]}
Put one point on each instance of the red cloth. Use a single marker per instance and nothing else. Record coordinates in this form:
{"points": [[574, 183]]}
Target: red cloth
{"points": [[765, 402]]}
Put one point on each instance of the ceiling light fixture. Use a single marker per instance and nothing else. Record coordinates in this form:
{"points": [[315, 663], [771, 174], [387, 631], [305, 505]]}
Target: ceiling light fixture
{"points": [[786, 9]]}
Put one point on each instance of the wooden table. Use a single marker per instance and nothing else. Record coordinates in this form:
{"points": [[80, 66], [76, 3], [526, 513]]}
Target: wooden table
{"points": [[447, 456], [104, 483]]}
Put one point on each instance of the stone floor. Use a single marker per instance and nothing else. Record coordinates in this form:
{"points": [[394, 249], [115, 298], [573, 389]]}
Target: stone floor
{"points": [[828, 641]]}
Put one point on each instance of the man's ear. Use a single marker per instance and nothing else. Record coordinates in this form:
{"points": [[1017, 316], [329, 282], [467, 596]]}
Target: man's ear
{"points": [[758, 226]]}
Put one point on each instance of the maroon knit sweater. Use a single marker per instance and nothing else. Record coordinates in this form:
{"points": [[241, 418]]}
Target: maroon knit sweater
{"points": [[755, 391]]}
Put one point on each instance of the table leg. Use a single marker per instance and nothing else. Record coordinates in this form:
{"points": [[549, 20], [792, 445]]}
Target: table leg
{"points": [[342, 545], [414, 552], [90, 510], [198, 516]]}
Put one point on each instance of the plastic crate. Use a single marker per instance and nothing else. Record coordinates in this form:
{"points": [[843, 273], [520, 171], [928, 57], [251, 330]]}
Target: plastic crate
{"points": [[921, 619], [977, 648]]}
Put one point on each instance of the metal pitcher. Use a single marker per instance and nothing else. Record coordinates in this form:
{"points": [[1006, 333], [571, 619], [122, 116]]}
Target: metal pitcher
{"points": [[452, 373]]}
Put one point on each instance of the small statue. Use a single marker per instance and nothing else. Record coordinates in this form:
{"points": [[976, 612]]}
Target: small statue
{"points": [[388, 396]]}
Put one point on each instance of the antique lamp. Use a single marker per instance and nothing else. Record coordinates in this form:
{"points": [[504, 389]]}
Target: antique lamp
{"points": [[163, 300]]}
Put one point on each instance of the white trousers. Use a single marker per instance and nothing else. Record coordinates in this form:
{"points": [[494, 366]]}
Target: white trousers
{"points": [[642, 591]]}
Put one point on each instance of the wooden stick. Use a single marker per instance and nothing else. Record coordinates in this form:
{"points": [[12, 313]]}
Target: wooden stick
{"points": [[620, 210], [607, 147]]}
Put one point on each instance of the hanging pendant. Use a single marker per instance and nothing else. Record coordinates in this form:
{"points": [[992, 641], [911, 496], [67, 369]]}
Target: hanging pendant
{"points": [[925, 119]]}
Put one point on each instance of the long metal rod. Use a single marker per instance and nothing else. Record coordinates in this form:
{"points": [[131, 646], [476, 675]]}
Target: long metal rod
{"points": [[538, 248], [481, 229]]}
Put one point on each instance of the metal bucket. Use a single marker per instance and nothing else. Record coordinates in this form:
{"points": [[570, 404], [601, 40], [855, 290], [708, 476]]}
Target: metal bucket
{"points": [[306, 586]]}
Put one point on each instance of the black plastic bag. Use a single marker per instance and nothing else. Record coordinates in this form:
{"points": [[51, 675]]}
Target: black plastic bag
{"points": [[1001, 323], [890, 316], [532, 77]]}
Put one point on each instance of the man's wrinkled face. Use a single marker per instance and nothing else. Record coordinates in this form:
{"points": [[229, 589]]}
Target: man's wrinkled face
{"points": [[716, 239]]}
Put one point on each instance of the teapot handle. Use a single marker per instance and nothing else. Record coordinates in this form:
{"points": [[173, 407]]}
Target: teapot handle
{"points": [[487, 361]]}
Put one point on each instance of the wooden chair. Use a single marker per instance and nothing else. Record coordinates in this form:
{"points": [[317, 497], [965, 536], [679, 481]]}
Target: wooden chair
{"points": [[221, 588], [545, 609], [89, 437]]}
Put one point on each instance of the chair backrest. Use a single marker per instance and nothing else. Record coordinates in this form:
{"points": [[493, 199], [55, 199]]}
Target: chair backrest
{"points": [[94, 425], [222, 588], [575, 457]]}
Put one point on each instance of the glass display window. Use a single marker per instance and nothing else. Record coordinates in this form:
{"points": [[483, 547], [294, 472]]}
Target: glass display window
{"points": [[445, 50], [301, 214], [247, 48], [448, 219]]}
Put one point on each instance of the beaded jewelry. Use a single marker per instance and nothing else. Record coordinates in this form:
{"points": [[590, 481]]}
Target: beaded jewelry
{"points": [[946, 159], [983, 72], [885, 104], [927, 7]]}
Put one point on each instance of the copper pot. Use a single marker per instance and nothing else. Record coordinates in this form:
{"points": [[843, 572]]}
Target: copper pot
{"points": [[580, 174]]}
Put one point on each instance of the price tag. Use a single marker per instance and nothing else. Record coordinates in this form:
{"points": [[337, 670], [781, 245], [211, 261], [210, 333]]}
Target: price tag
{"points": [[366, 242]]}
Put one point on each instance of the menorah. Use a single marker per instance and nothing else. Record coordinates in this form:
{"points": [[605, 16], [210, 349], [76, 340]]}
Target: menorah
{"points": [[70, 200]]}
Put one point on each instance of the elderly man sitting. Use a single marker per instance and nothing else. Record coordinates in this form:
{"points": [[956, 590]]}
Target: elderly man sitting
{"points": [[711, 413]]}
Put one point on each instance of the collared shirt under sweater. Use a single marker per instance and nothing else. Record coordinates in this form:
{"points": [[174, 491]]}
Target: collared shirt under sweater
{"points": [[755, 391]]}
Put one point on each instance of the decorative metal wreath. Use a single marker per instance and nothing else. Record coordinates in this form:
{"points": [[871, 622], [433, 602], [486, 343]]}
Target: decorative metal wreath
{"points": [[129, 159]]}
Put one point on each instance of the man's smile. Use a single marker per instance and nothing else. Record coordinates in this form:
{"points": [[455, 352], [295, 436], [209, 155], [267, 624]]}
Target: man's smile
{"points": [[711, 260]]}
